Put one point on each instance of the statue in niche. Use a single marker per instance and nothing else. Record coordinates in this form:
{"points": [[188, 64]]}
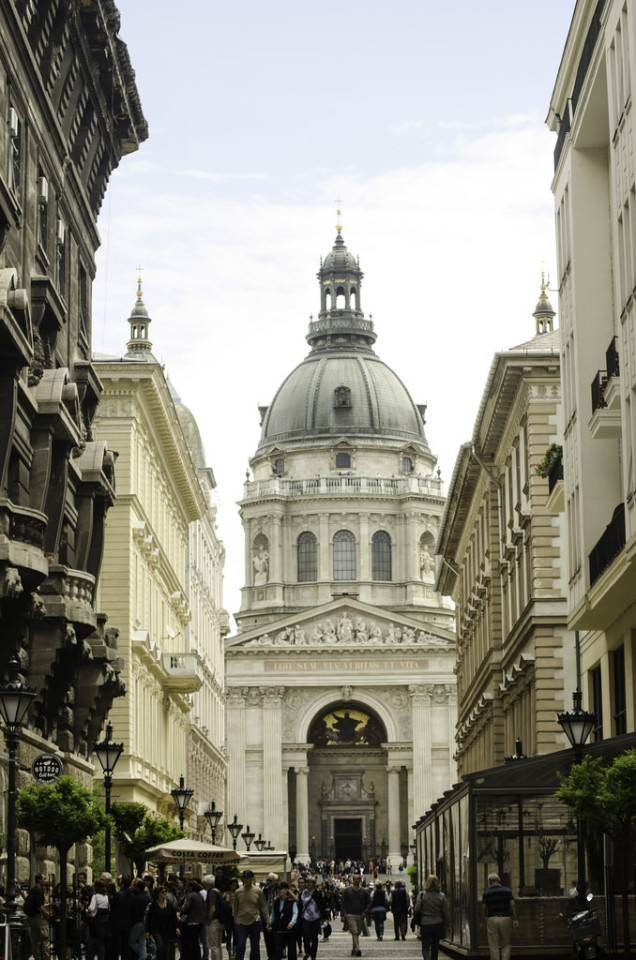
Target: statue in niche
{"points": [[261, 567], [426, 563]]}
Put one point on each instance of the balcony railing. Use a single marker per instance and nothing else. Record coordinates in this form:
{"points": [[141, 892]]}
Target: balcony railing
{"points": [[609, 545], [332, 486], [599, 383], [611, 359], [555, 471], [581, 73]]}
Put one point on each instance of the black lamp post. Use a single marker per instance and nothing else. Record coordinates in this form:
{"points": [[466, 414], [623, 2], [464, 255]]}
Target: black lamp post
{"points": [[108, 753], [15, 700], [260, 843], [404, 850], [235, 828], [248, 836], [181, 796], [383, 848], [577, 725], [213, 816], [414, 851]]}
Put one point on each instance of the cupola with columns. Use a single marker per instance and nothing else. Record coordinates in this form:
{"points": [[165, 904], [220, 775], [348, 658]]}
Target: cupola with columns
{"points": [[139, 346]]}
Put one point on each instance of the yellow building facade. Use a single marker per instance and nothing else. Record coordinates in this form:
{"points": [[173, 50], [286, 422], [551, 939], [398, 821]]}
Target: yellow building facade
{"points": [[161, 587]]}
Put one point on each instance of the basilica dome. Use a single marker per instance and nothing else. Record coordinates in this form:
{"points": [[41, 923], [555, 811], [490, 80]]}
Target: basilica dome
{"points": [[342, 388], [343, 393]]}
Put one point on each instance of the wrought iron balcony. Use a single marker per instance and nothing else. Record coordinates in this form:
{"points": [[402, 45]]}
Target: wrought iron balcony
{"points": [[599, 383], [609, 545]]}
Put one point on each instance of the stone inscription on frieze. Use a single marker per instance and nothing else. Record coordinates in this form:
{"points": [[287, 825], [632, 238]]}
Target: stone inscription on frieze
{"points": [[338, 666]]}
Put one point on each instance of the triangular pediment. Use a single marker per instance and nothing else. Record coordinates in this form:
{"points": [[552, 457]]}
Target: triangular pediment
{"points": [[344, 623]]}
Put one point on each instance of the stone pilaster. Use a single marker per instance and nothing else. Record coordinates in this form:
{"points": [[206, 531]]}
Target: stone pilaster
{"points": [[393, 774], [236, 799], [302, 813], [273, 766], [421, 720]]}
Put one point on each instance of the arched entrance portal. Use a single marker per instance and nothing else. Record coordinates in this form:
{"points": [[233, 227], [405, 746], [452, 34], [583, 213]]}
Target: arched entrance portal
{"points": [[347, 765]]}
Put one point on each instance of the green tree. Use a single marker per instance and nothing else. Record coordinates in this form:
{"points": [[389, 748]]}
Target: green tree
{"points": [[60, 815], [137, 832], [604, 797]]}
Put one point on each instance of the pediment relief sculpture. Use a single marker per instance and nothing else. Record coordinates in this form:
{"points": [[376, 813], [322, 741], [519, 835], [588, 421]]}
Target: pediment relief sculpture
{"points": [[346, 631]]}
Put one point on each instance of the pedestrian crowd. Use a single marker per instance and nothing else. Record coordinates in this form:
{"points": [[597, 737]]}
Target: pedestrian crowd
{"points": [[143, 919]]}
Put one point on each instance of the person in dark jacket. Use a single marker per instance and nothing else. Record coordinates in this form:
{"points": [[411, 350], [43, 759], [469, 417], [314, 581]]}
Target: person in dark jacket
{"points": [[161, 922], [399, 901], [120, 921], [378, 907], [190, 922], [284, 921], [137, 938]]}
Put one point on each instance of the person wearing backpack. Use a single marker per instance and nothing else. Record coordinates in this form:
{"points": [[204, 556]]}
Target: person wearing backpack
{"points": [[37, 911], [217, 913]]}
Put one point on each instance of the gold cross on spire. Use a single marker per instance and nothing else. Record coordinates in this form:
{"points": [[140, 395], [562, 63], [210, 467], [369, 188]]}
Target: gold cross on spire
{"points": [[339, 225]]}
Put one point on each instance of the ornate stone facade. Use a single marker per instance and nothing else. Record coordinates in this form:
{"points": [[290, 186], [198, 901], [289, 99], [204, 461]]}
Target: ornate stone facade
{"points": [[70, 112], [340, 684]]}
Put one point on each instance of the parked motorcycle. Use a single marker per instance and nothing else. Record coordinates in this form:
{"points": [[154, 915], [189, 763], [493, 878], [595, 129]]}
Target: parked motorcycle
{"points": [[585, 928]]}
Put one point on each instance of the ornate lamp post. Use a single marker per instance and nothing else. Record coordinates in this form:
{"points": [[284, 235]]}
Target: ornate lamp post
{"points": [[248, 836], [213, 816], [260, 843], [235, 828], [108, 753], [181, 796], [15, 700], [577, 725]]}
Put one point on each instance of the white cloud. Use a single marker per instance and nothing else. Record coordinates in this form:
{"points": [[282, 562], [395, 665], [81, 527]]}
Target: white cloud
{"points": [[451, 251]]}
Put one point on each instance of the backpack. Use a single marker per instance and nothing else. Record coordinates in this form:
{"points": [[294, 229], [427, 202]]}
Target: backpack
{"points": [[222, 908], [29, 906]]}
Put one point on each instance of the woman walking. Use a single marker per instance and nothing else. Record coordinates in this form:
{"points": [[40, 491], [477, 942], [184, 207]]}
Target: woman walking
{"points": [[311, 912], [431, 907], [378, 908]]}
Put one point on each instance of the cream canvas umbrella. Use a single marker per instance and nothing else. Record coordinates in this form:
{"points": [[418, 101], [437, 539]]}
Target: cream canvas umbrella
{"points": [[185, 850]]}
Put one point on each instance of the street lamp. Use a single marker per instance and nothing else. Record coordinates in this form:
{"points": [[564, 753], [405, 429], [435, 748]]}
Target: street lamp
{"points": [[235, 828], [181, 796], [15, 700], [248, 836], [577, 725], [270, 846], [260, 843], [213, 816], [414, 851], [108, 753]]}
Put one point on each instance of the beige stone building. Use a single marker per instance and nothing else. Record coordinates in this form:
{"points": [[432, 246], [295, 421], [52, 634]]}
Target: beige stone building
{"points": [[162, 586], [500, 548], [595, 202], [340, 685]]}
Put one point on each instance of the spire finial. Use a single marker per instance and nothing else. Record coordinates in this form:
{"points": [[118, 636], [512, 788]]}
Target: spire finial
{"points": [[139, 291], [338, 224]]}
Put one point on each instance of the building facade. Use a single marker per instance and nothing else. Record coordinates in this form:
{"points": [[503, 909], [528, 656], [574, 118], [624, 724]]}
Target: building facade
{"points": [[594, 189], [500, 549], [162, 585], [70, 112], [340, 684]]}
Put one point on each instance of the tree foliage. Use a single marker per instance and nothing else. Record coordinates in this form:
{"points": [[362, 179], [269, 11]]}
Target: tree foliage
{"points": [[604, 797], [59, 814], [137, 831]]}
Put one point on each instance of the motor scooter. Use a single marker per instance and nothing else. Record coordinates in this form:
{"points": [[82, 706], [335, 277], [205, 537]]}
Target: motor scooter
{"points": [[585, 928]]}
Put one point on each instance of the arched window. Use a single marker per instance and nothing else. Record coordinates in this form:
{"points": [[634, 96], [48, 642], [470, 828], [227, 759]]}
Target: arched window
{"points": [[381, 556], [307, 547], [340, 299], [344, 556]]}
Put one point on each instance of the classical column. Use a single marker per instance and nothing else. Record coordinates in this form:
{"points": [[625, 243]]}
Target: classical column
{"points": [[235, 800], [393, 812], [451, 693], [302, 814], [363, 549], [324, 550], [275, 550], [273, 766], [421, 720]]}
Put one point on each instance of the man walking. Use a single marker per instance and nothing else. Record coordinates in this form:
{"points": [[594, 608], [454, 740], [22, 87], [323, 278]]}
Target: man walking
{"points": [[498, 915], [249, 907], [355, 901], [37, 911]]}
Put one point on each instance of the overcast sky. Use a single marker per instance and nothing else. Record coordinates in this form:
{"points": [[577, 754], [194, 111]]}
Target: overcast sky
{"points": [[427, 119]]}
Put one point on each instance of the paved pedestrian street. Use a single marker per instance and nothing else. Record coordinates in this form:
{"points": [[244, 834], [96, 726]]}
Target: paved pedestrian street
{"points": [[338, 947]]}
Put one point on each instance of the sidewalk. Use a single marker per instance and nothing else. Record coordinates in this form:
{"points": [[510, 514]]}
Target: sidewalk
{"points": [[338, 947]]}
